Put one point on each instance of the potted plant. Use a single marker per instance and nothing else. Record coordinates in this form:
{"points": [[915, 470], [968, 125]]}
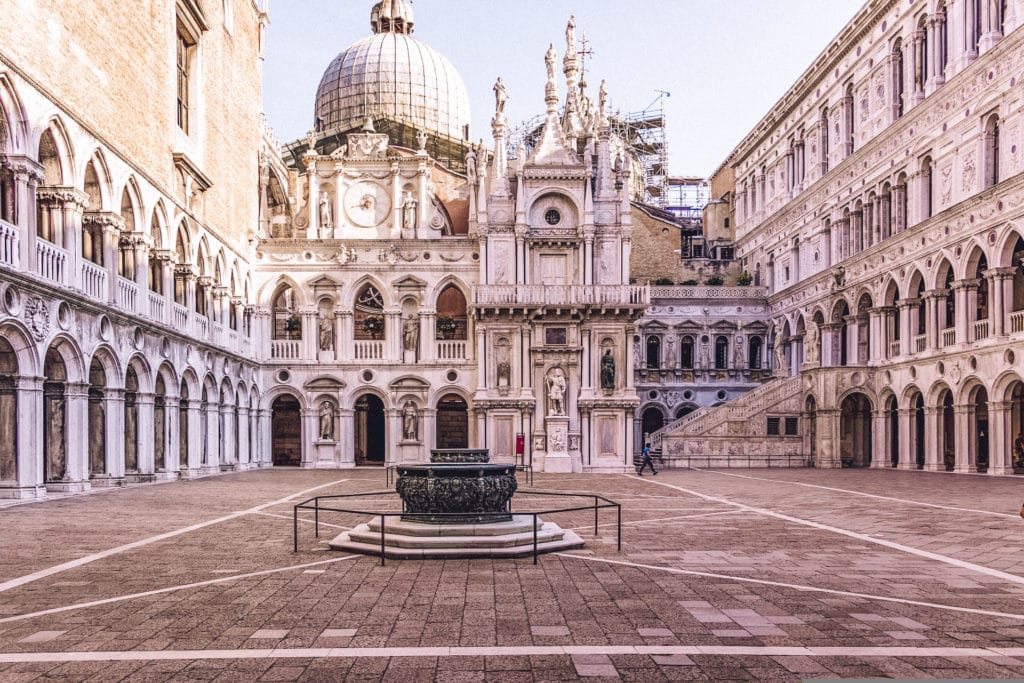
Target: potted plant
{"points": [[744, 279], [446, 327], [373, 326], [714, 281], [293, 326]]}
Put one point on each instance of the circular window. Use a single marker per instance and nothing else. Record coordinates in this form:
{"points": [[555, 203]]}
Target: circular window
{"points": [[688, 395], [721, 395], [913, 372], [64, 315], [1009, 357], [106, 329], [284, 376], [652, 394], [138, 338], [452, 375], [12, 300], [941, 368], [367, 376], [165, 348], [973, 363], [553, 217]]}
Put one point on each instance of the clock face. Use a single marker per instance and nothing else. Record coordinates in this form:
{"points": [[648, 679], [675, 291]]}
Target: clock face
{"points": [[367, 204]]}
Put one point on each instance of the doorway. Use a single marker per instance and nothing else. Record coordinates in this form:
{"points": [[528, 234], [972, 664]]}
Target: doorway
{"points": [[286, 432], [370, 431]]}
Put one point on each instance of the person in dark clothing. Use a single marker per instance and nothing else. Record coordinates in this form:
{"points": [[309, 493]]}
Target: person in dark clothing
{"points": [[647, 461]]}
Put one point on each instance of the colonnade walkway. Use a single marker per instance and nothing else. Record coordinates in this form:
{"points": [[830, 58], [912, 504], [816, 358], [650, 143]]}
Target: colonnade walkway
{"points": [[739, 574]]}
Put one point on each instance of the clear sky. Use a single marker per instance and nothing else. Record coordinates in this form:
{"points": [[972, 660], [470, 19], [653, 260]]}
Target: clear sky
{"points": [[725, 62]]}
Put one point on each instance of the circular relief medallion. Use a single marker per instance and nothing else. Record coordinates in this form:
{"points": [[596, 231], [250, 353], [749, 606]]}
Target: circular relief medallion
{"points": [[367, 204]]}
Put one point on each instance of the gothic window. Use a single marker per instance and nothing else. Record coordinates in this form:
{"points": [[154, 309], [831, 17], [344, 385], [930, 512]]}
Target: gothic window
{"points": [[451, 314], [125, 250], [991, 138], [686, 353], [286, 321], [927, 196], [156, 278], [653, 352], [823, 138], [897, 79], [721, 353], [369, 314], [848, 114]]}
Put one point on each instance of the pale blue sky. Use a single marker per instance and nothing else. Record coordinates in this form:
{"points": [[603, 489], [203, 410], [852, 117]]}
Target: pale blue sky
{"points": [[726, 62]]}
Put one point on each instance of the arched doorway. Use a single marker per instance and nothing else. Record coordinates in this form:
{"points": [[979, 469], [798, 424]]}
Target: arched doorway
{"points": [[183, 406], [370, 431], [452, 422], [286, 431], [8, 412], [892, 410], [55, 418], [919, 431], [685, 410], [97, 420], [855, 431], [811, 416], [652, 420], [947, 430], [131, 422], [1016, 396], [160, 425], [980, 440]]}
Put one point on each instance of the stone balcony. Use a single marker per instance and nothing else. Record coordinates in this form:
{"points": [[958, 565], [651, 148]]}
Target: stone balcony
{"points": [[561, 296]]}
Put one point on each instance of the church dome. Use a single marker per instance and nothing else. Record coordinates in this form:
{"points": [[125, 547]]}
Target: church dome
{"points": [[392, 75]]}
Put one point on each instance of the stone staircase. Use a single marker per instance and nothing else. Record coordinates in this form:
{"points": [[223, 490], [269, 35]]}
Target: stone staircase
{"points": [[734, 434]]}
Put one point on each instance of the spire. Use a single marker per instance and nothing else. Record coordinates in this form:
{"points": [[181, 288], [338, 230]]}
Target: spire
{"points": [[392, 16]]}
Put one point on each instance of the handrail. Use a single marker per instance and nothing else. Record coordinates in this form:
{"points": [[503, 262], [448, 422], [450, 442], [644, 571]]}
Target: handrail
{"points": [[316, 507]]}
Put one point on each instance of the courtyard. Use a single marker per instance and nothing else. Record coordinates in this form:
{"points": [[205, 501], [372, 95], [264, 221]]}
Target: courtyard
{"points": [[745, 574]]}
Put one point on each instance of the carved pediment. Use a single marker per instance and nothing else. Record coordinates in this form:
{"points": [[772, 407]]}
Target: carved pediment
{"points": [[409, 282], [324, 282], [410, 384], [324, 383]]}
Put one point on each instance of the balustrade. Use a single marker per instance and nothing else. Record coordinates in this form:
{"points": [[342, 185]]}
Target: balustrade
{"points": [[51, 262], [94, 280], [285, 349], [980, 330], [561, 295], [9, 245], [179, 317], [451, 350], [948, 337], [202, 325], [894, 348], [920, 343], [369, 350], [1017, 322], [156, 307], [127, 294]]}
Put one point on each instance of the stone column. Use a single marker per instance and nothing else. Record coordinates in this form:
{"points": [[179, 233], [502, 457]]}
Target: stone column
{"points": [[76, 397], [965, 452], [966, 293], [907, 455], [857, 228], [1001, 436], [932, 298], [878, 337], [145, 429], [885, 216], [876, 213], [227, 438], [898, 211], [172, 437], [1000, 299], [932, 429], [879, 439], [908, 309], [113, 400], [919, 75]]}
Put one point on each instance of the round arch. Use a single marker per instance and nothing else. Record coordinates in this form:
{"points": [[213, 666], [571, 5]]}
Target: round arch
{"points": [[25, 350]]}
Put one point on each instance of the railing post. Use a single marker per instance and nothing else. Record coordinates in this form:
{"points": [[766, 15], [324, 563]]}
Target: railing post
{"points": [[595, 516], [295, 529], [535, 538], [316, 515], [382, 540], [618, 509]]}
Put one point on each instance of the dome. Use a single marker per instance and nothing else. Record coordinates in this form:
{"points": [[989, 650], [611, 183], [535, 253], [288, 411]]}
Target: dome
{"points": [[392, 75]]}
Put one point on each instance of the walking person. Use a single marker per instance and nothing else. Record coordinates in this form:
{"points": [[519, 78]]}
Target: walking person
{"points": [[1018, 451], [647, 461]]}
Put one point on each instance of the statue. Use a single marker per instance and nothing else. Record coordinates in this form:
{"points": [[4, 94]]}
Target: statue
{"points": [[504, 367], [421, 140], [670, 353], [812, 341], [311, 142], [570, 38], [738, 353], [326, 334], [410, 422], [556, 392], [500, 98], [326, 219], [602, 99], [327, 421], [471, 166], [409, 205], [549, 60], [608, 370], [780, 357], [411, 333], [705, 355]]}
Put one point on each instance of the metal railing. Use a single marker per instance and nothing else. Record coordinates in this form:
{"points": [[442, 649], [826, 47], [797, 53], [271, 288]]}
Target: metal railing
{"points": [[600, 503]]}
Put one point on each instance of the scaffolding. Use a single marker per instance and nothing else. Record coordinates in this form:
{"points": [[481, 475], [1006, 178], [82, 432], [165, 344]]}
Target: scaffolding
{"points": [[687, 196], [643, 133]]}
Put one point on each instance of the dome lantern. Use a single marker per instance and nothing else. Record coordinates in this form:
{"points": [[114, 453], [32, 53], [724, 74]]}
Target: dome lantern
{"points": [[392, 16]]}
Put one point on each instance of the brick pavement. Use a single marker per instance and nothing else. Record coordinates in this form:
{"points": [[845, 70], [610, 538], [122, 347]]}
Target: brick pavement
{"points": [[746, 575]]}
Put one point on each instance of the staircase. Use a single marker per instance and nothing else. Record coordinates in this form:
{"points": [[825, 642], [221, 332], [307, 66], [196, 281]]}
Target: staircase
{"points": [[735, 434]]}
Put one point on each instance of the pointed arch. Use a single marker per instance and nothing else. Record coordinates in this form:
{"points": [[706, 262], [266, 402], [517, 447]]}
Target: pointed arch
{"points": [[14, 129], [96, 182]]}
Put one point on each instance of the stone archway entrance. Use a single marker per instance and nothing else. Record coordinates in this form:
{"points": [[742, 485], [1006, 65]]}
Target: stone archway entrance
{"points": [[286, 432], [893, 425], [811, 415], [370, 431], [919, 431], [855, 431], [652, 420], [55, 445], [8, 412], [452, 422]]}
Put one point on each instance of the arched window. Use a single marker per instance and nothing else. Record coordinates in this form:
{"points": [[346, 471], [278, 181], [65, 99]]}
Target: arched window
{"points": [[898, 84], [686, 353], [125, 249], [653, 352], [754, 353], [721, 353], [850, 119], [451, 314], [927, 201], [823, 125], [369, 314], [286, 321], [991, 138]]}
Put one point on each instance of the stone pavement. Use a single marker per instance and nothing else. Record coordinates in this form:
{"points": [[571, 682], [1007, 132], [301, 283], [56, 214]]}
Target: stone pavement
{"points": [[740, 574]]}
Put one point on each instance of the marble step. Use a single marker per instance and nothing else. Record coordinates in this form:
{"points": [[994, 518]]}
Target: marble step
{"points": [[517, 525], [548, 533]]}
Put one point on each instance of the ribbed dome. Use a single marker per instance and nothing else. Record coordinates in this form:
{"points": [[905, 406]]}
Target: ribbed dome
{"points": [[393, 75]]}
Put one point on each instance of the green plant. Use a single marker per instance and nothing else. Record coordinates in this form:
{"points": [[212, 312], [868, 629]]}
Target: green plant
{"points": [[744, 279], [714, 281], [664, 282], [373, 326], [446, 326], [689, 283], [632, 280]]}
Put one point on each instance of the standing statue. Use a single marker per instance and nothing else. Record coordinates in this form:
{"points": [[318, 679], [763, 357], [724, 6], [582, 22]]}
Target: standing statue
{"points": [[608, 370], [504, 367], [500, 98], [670, 353], [549, 60], [409, 205], [556, 392], [326, 334], [410, 422], [471, 166], [780, 358], [812, 341], [421, 140], [705, 355], [411, 333], [326, 219], [738, 353], [570, 38], [602, 99], [327, 421]]}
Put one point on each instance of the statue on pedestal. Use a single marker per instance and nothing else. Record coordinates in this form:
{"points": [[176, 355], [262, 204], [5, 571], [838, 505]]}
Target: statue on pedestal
{"points": [[326, 334], [410, 422], [326, 218], [504, 367], [409, 205], [411, 333], [471, 166], [780, 358], [500, 98], [549, 60], [812, 342]]}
